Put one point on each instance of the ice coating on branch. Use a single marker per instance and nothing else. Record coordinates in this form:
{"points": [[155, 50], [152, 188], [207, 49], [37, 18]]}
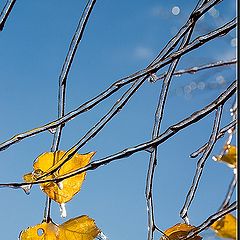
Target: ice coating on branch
{"points": [[52, 130], [63, 210], [60, 185], [26, 188], [102, 236]]}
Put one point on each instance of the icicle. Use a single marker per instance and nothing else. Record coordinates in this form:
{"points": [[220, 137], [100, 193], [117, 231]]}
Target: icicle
{"points": [[63, 210], [60, 185], [102, 236], [26, 188], [152, 78], [52, 130], [186, 220]]}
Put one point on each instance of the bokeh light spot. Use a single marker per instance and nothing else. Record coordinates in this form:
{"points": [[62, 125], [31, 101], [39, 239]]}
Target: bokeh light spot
{"points": [[175, 10]]}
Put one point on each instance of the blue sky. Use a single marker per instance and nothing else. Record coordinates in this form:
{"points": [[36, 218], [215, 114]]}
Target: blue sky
{"points": [[121, 38]]}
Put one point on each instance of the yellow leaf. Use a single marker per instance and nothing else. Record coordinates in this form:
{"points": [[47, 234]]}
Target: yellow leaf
{"points": [[226, 227], [82, 227], [178, 231], [229, 156], [66, 189]]}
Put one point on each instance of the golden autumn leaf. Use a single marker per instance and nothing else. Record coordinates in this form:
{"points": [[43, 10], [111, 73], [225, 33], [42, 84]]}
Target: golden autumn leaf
{"points": [[66, 189], [179, 231], [82, 227], [229, 156], [226, 227]]}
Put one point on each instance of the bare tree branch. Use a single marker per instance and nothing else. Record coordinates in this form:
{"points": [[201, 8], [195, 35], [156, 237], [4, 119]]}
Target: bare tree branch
{"points": [[176, 48], [66, 68], [5, 12], [200, 166], [230, 192], [213, 218], [196, 69], [62, 86], [220, 134], [117, 107], [194, 16], [155, 133], [172, 130], [117, 85]]}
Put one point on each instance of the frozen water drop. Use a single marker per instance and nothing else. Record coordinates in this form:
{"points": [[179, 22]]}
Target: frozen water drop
{"points": [[60, 185], [26, 188], [186, 219], [63, 210], [193, 70], [52, 130], [102, 236], [153, 78], [178, 75]]}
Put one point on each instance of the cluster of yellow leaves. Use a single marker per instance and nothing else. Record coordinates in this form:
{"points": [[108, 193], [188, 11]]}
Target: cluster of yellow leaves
{"points": [[82, 227], [179, 231], [49, 161], [229, 156], [226, 227]]}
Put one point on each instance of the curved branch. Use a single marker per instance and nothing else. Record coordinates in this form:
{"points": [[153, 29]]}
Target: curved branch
{"points": [[220, 134], [213, 218], [5, 13], [172, 130], [63, 83], [230, 191], [196, 69], [66, 68], [200, 166], [117, 85], [155, 134]]}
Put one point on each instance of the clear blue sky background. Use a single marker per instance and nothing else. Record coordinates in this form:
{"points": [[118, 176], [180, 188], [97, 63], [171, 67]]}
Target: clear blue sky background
{"points": [[121, 38]]}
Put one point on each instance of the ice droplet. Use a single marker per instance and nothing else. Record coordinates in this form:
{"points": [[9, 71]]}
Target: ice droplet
{"points": [[60, 185], [26, 188], [152, 78], [102, 236], [52, 130], [63, 210]]}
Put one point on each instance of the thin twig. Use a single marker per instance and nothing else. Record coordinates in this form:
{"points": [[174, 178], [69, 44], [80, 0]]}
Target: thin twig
{"points": [[67, 65], [62, 85], [117, 107], [172, 130], [196, 69], [47, 210], [195, 15], [5, 12], [155, 133], [220, 134], [197, 42], [200, 166], [230, 192], [213, 218], [117, 85]]}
